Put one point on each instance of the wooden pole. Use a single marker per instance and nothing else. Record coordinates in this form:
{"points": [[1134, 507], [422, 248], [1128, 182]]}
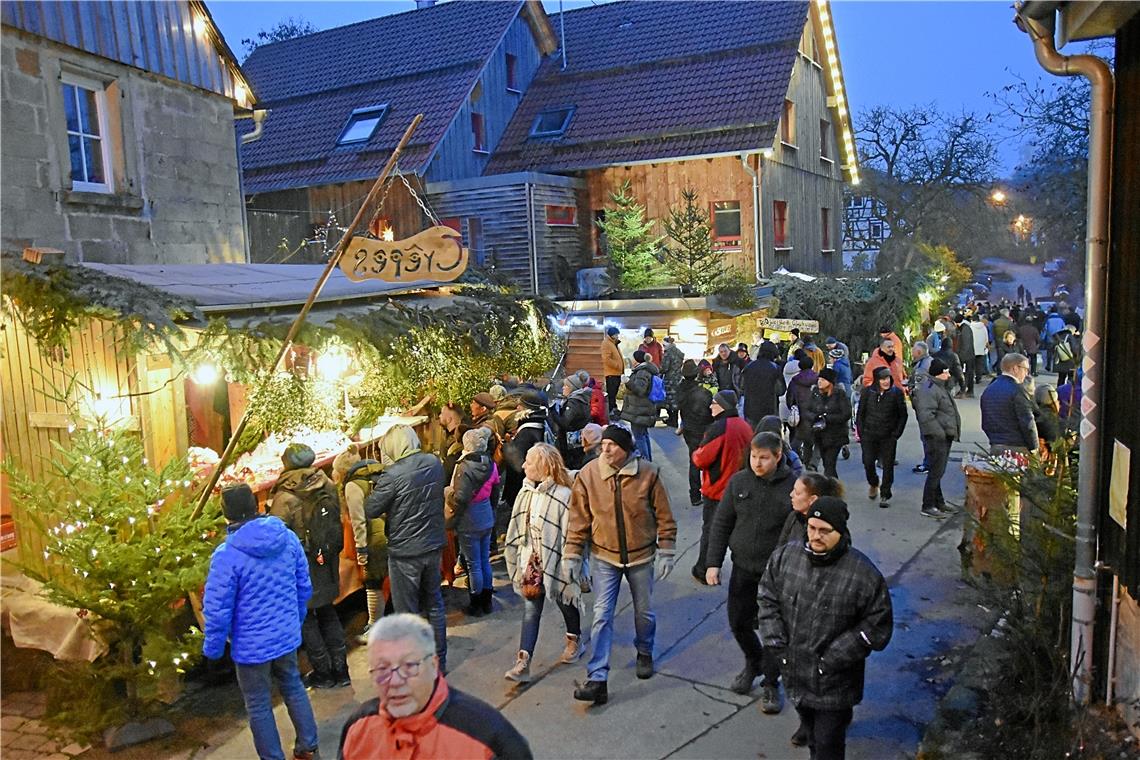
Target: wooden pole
{"points": [[341, 247]]}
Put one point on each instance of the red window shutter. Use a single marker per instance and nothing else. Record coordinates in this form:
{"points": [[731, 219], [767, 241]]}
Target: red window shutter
{"points": [[453, 222]]}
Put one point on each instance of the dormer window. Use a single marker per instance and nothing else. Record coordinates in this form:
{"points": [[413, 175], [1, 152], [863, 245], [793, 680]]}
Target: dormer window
{"points": [[362, 125], [552, 123]]}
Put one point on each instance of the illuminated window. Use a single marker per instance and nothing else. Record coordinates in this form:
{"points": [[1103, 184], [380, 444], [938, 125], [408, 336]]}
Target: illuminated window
{"points": [[780, 224], [551, 123], [562, 216], [362, 125], [788, 124], [726, 222]]}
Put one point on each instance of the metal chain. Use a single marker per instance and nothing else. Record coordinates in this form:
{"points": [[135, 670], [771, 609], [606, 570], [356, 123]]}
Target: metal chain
{"points": [[383, 197], [430, 214]]}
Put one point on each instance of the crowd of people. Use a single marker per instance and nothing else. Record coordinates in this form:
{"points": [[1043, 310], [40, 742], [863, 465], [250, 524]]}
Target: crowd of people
{"points": [[564, 487]]}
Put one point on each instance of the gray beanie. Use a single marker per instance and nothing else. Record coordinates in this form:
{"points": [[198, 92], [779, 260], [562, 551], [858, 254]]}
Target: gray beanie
{"points": [[475, 441], [578, 380], [297, 456]]}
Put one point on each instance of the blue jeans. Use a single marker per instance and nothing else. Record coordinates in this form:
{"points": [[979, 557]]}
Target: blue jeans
{"points": [[256, 683], [477, 550], [641, 441], [607, 583], [532, 614], [415, 589]]}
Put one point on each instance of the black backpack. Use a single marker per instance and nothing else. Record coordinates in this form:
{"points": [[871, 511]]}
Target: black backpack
{"points": [[320, 516]]}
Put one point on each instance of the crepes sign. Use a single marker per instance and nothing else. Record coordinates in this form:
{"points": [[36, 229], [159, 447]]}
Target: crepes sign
{"points": [[809, 326], [435, 254]]}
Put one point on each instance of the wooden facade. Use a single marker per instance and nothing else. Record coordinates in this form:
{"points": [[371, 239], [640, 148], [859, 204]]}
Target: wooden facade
{"points": [[138, 390]]}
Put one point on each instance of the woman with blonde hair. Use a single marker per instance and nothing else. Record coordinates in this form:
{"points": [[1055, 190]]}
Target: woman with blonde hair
{"points": [[536, 536]]}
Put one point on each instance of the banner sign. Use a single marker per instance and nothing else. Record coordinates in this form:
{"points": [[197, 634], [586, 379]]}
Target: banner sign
{"points": [[809, 326], [436, 254]]}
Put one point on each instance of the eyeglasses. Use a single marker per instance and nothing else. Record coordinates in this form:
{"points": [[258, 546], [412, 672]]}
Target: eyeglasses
{"points": [[1023, 367], [407, 671], [820, 531]]}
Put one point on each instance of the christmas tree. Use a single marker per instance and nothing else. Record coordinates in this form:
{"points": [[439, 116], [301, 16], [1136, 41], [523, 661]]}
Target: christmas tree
{"points": [[121, 547], [633, 248], [692, 261]]}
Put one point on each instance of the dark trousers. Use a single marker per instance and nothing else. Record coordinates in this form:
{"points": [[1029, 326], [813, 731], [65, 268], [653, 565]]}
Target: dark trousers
{"points": [[694, 476], [881, 450], [742, 611], [826, 731], [322, 637], [829, 453], [1033, 364], [1063, 376], [415, 589], [613, 382], [969, 367], [708, 511], [937, 455]]}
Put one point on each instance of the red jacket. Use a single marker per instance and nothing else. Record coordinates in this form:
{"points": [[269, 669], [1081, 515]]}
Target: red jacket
{"points": [[655, 351], [722, 452], [598, 404]]}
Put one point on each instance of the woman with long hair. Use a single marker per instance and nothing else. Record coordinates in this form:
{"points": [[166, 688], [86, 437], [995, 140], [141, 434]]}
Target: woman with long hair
{"points": [[536, 536]]}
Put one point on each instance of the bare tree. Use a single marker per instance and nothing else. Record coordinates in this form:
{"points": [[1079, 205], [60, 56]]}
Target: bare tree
{"points": [[285, 29]]}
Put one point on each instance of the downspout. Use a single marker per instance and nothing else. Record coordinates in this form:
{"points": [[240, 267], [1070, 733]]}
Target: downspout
{"points": [[258, 117], [757, 235], [1096, 274], [532, 233]]}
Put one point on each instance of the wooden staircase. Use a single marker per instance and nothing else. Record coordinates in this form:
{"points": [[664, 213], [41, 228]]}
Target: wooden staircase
{"points": [[584, 351]]}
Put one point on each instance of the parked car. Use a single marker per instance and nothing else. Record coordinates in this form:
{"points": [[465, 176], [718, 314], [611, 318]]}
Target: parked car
{"points": [[979, 288], [1054, 266], [985, 278]]}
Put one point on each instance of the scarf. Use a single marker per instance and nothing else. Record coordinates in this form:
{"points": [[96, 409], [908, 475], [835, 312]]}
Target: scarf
{"points": [[820, 559], [552, 503]]}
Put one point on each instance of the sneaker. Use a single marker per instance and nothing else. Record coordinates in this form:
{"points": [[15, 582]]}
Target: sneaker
{"points": [[742, 684], [644, 666], [362, 637], [770, 700], [873, 492], [946, 509], [315, 680], [591, 691], [307, 754], [342, 678], [933, 512], [695, 502], [920, 468], [886, 498], [573, 650], [520, 673]]}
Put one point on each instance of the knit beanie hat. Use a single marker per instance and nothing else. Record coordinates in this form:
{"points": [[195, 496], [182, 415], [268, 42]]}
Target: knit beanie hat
{"points": [[640, 356], [238, 503], [770, 423], [880, 373], [619, 435], [831, 510], [497, 392], [836, 353], [689, 369], [474, 441], [939, 326], [611, 330], [828, 374], [345, 460], [578, 380], [937, 367], [648, 333], [806, 363], [298, 455], [591, 435], [725, 399]]}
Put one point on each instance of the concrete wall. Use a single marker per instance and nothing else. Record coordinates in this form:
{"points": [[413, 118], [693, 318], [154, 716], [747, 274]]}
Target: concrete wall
{"points": [[175, 192]]}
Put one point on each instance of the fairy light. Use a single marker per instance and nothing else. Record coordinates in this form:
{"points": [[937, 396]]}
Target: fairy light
{"points": [[825, 21]]}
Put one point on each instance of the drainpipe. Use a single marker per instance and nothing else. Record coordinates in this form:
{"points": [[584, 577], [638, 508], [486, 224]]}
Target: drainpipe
{"points": [[1096, 270], [757, 235], [532, 233], [258, 117]]}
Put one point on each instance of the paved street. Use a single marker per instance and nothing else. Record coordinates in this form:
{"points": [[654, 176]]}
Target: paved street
{"points": [[686, 710]]}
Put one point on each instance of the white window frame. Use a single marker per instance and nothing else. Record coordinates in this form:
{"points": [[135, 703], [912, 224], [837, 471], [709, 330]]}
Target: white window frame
{"points": [[100, 90]]}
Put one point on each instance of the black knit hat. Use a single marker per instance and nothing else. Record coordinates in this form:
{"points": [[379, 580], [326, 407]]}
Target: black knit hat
{"points": [[238, 503], [689, 369], [831, 510], [619, 435], [725, 399], [937, 367], [828, 374], [640, 356]]}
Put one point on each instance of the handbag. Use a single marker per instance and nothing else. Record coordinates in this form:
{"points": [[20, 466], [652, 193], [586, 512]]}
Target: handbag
{"points": [[819, 424], [532, 587], [793, 416]]}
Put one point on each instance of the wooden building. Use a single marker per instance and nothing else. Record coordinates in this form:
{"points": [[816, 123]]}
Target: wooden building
{"points": [[118, 144]]}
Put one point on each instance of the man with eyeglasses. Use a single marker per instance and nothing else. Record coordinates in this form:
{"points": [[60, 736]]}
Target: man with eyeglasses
{"points": [[1007, 409], [415, 712], [824, 607]]}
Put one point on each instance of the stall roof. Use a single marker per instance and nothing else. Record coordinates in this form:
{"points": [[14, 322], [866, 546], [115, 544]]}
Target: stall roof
{"points": [[244, 287]]}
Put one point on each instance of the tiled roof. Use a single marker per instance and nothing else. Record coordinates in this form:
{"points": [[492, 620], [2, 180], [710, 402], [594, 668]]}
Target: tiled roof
{"points": [[418, 61], [656, 80]]}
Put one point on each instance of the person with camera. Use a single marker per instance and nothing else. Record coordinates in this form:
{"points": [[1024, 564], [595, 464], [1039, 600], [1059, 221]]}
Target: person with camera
{"points": [[828, 413]]}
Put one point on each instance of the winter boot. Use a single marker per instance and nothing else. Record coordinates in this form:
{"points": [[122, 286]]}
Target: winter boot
{"points": [[520, 673], [644, 666], [591, 691], [474, 606], [573, 648], [319, 679], [485, 599], [340, 668], [742, 684]]}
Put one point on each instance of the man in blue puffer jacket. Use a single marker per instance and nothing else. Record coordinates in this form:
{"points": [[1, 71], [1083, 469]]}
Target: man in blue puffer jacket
{"points": [[256, 596]]}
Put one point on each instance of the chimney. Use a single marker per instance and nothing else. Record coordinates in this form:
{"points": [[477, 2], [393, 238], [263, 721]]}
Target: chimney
{"points": [[421, 4]]}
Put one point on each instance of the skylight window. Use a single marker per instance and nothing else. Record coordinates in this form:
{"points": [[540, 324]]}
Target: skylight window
{"points": [[551, 123], [362, 124]]}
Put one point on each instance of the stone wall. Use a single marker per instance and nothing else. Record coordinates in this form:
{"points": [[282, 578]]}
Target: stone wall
{"points": [[175, 195]]}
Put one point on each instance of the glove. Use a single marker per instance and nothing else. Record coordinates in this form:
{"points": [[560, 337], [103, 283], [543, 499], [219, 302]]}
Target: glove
{"points": [[665, 563], [362, 556], [572, 569]]}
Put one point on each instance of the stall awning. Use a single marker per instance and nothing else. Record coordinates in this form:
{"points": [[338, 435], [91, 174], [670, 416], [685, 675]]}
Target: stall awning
{"points": [[247, 287]]}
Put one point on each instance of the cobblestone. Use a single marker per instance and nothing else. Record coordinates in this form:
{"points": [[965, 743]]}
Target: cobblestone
{"points": [[24, 737]]}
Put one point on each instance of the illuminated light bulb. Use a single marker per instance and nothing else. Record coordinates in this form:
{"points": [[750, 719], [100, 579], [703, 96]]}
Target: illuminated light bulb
{"points": [[241, 93], [206, 373], [131, 520], [388, 234], [333, 363]]}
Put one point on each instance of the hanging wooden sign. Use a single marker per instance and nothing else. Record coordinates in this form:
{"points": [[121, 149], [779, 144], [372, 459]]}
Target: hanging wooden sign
{"points": [[436, 254], [809, 326]]}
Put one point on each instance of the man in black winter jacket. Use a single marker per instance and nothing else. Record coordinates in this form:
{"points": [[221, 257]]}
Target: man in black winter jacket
{"points": [[880, 422], [749, 519], [531, 430], [1007, 410], [762, 384], [826, 607], [693, 401]]}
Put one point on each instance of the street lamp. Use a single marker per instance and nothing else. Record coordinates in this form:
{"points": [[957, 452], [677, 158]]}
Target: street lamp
{"points": [[998, 197]]}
